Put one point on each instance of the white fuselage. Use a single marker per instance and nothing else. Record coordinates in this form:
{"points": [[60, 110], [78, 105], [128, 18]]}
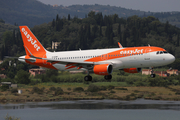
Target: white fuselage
{"points": [[127, 61]]}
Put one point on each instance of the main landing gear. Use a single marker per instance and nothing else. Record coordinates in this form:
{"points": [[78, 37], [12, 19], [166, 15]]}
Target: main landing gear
{"points": [[89, 78], [108, 77]]}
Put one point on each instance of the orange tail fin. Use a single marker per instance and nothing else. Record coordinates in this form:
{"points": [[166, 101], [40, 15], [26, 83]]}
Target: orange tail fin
{"points": [[31, 44]]}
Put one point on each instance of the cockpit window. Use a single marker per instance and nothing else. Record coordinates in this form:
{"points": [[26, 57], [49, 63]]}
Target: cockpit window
{"points": [[161, 52], [165, 52]]}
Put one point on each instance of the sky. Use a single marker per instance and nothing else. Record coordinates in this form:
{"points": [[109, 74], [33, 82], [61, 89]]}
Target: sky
{"points": [[143, 5]]}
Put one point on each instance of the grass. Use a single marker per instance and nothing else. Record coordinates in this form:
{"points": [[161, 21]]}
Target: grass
{"points": [[121, 91]]}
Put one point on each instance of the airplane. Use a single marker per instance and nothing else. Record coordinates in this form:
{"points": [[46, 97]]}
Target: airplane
{"points": [[98, 61]]}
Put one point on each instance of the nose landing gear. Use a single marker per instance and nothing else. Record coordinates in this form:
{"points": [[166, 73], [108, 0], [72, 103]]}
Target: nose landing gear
{"points": [[152, 73]]}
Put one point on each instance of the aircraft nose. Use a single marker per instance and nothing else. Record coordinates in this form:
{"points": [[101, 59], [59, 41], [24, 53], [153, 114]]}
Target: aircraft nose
{"points": [[171, 58]]}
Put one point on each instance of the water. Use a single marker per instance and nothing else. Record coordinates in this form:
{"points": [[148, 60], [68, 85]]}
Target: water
{"points": [[94, 110]]}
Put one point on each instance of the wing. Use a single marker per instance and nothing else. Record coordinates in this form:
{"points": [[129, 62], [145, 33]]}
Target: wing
{"points": [[75, 63]]}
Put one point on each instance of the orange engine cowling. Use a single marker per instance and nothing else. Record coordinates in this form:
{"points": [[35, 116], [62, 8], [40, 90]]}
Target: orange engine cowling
{"points": [[103, 69], [132, 70]]}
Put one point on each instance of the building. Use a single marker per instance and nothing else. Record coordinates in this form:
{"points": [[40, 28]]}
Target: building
{"points": [[75, 72], [161, 73], [2, 76], [9, 84], [146, 71], [35, 72], [55, 45], [173, 72]]}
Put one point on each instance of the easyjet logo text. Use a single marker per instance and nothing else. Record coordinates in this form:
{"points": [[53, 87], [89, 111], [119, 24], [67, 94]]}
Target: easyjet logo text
{"points": [[136, 51], [30, 39]]}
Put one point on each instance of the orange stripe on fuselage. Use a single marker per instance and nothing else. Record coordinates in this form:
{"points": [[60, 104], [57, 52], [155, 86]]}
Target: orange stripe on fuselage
{"points": [[125, 52]]}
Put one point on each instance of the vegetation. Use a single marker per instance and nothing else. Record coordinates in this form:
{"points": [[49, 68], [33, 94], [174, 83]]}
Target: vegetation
{"points": [[92, 91], [78, 89], [97, 31], [33, 12], [92, 32], [4, 87], [11, 118]]}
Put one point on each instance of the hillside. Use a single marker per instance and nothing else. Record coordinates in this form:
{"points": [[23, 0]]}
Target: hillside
{"points": [[6, 27], [25, 12], [172, 17], [33, 12]]}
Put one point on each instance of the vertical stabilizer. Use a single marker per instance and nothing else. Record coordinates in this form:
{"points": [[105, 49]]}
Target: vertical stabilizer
{"points": [[31, 44]]}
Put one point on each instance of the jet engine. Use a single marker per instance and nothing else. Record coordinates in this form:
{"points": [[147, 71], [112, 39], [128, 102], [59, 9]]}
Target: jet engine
{"points": [[103, 69], [132, 70]]}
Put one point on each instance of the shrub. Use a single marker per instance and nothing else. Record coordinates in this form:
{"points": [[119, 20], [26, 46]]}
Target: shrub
{"points": [[121, 89], [112, 91], [69, 89], [44, 78], [51, 72], [177, 93], [4, 87], [11, 118], [102, 88], [59, 91], [93, 88], [52, 89], [54, 78], [37, 90], [14, 90], [34, 82], [129, 81], [23, 77], [78, 89], [139, 83], [110, 87]]}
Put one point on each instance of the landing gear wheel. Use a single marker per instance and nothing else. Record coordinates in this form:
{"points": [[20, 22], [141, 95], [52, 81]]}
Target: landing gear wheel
{"points": [[88, 78], [153, 75], [108, 77]]}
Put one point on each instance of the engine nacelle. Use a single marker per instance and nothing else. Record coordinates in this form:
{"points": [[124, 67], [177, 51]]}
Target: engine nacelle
{"points": [[132, 70], [103, 69]]}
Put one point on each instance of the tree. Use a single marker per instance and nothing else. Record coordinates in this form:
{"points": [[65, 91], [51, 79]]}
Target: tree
{"points": [[134, 35], [177, 41], [69, 17], [91, 14], [94, 31], [167, 27], [125, 36], [22, 77], [2, 52], [53, 23], [51, 72], [119, 33]]}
